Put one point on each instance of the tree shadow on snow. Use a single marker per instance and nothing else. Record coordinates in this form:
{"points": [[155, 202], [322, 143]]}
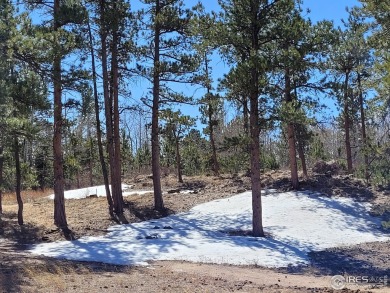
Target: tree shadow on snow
{"points": [[355, 214], [170, 234], [149, 240]]}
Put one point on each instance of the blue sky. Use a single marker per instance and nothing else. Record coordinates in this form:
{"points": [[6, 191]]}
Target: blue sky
{"points": [[329, 9], [320, 9]]}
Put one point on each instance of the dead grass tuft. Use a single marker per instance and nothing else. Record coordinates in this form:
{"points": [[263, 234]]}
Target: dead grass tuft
{"points": [[50, 276], [9, 198]]}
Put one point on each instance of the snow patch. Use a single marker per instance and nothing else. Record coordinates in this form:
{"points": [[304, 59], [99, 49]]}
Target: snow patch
{"points": [[99, 191], [296, 222]]}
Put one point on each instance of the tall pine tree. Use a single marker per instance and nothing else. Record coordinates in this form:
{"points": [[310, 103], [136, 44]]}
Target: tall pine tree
{"points": [[166, 30]]}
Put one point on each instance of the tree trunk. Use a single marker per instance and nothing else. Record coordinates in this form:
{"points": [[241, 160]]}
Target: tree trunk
{"points": [[18, 187], [116, 179], [300, 130], [292, 155], [158, 198], [210, 110], [98, 125], [1, 178], [178, 160], [108, 104], [59, 198], [291, 135], [78, 179], [364, 134], [90, 164], [347, 125], [245, 112], [301, 153], [257, 219], [246, 115], [90, 161], [214, 152], [245, 109], [257, 222]]}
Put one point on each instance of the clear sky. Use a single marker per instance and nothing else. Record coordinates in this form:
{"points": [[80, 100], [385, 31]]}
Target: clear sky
{"points": [[320, 9], [329, 9]]}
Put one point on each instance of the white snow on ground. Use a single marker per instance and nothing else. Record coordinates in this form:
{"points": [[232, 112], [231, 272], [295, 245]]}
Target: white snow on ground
{"points": [[98, 191], [296, 222]]}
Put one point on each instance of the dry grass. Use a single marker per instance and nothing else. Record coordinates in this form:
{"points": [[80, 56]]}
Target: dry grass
{"points": [[46, 277], [9, 198]]}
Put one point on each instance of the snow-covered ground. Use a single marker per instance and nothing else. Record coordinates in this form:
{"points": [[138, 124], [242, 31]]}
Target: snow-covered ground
{"points": [[295, 222], [99, 191]]}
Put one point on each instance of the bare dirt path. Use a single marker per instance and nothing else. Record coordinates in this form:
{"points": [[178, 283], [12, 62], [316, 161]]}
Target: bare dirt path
{"points": [[49, 275]]}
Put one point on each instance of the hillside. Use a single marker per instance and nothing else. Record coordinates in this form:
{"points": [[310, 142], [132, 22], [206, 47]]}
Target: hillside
{"points": [[24, 272]]}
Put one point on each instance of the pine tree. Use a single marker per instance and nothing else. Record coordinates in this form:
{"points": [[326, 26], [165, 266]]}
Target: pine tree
{"points": [[364, 64], [29, 96], [166, 30], [348, 59], [376, 15], [297, 54], [114, 33], [176, 126], [5, 18], [49, 44], [24, 93], [379, 9], [250, 25], [206, 28]]}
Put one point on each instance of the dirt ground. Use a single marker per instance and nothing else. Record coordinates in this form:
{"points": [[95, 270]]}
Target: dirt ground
{"points": [[22, 272]]}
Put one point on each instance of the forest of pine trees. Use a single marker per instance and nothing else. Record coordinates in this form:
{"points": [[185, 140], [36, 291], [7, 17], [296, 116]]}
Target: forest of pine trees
{"points": [[92, 91]]}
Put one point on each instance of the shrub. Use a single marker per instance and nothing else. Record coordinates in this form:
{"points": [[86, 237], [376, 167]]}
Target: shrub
{"points": [[332, 167]]}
